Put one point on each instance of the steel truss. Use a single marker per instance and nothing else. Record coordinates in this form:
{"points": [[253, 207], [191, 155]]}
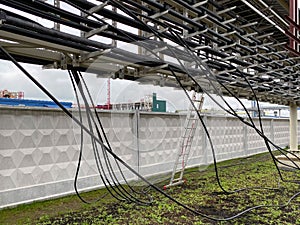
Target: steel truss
{"points": [[235, 42]]}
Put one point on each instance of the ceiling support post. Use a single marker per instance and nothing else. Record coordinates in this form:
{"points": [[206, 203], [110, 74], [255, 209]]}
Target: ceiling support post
{"points": [[293, 128]]}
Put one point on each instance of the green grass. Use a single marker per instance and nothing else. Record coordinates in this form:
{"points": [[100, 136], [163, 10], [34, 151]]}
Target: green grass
{"points": [[201, 192]]}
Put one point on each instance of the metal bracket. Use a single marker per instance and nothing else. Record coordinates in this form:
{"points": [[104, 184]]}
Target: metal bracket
{"points": [[201, 47], [200, 4], [153, 69], [230, 33], [95, 31], [94, 54], [226, 10], [229, 21], [200, 18], [97, 8], [159, 14], [248, 25], [196, 33], [160, 49]]}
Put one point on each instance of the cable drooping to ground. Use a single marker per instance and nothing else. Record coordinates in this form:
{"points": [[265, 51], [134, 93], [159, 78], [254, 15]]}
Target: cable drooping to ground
{"points": [[260, 132], [124, 163], [116, 186], [155, 54], [95, 139]]}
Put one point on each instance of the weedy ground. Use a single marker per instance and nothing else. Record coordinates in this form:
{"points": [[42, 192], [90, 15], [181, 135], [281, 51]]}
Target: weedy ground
{"points": [[255, 176]]}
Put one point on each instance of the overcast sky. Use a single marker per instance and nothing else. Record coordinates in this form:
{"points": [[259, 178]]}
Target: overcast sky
{"points": [[58, 83]]}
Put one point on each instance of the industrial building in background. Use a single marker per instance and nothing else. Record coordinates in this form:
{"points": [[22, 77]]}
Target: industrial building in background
{"points": [[16, 98], [11, 94], [148, 103]]}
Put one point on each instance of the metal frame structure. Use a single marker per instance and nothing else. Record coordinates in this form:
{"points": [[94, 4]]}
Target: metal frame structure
{"points": [[246, 46], [242, 48], [228, 36]]}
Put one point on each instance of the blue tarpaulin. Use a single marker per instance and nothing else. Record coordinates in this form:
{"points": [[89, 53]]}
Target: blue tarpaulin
{"points": [[32, 103]]}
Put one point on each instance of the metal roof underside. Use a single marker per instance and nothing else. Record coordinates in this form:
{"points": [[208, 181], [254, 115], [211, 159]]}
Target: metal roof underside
{"points": [[229, 44]]}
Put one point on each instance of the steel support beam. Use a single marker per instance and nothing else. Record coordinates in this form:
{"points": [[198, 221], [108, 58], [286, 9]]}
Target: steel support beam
{"points": [[293, 128]]}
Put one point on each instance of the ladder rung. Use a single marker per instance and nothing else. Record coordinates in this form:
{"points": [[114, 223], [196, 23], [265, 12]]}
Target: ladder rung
{"points": [[190, 128], [176, 179]]}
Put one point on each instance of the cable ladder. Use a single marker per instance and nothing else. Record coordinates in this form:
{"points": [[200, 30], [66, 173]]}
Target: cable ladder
{"points": [[186, 140]]}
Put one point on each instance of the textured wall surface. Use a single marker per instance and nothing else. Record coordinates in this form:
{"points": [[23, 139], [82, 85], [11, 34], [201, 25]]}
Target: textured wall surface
{"points": [[39, 148]]}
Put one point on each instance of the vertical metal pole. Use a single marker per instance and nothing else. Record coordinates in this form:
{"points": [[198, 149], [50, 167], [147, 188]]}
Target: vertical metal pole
{"points": [[136, 124], [57, 4], [141, 50], [245, 139], [204, 142], [272, 133], [82, 33], [293, 128], [114, 24], [108, 93], [296, 10], [292, 16]]}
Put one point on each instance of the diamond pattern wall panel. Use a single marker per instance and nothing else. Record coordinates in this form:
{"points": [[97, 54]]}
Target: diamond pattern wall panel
{"points": [[281, 132], [39, 148], [227, 136], [254, 142], [158, 141]]}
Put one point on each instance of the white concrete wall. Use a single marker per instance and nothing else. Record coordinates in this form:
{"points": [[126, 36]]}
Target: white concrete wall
{"points": [[39, 148]]}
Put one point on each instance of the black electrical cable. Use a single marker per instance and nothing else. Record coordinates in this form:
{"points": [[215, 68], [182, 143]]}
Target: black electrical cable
{"points": [[236, 98], [202, 122], [116, 187], [102, 129], [67, 1], [200, 118], [108, 164], [123, 162], [264, 139], [80, 149], [107, 141], [114, 192], [81, 142], [253, 125]]}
